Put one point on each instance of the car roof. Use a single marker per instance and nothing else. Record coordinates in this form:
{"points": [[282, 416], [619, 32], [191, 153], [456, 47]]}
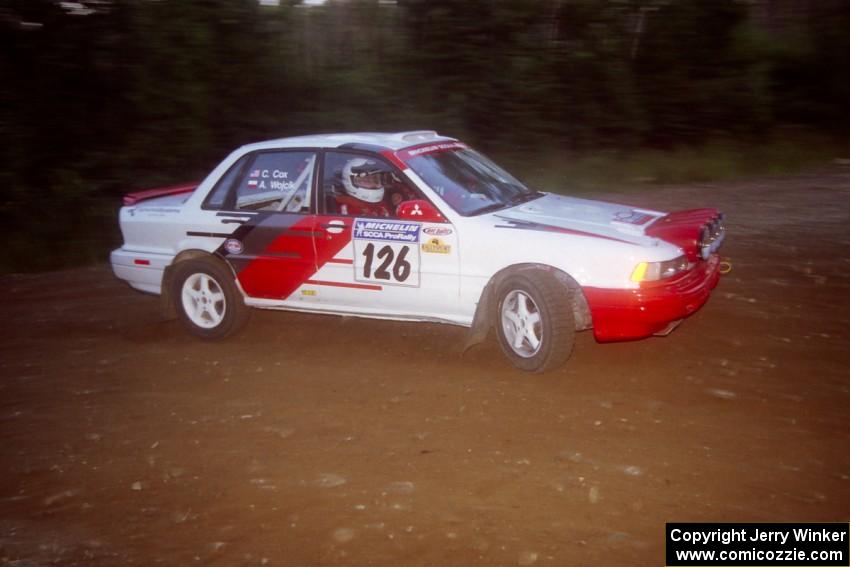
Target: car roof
{"points": [[365, 140]]}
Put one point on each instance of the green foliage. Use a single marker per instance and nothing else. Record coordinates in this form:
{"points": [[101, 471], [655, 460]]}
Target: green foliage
{"points": [[56, 224], [155, 92], [719, 159]]}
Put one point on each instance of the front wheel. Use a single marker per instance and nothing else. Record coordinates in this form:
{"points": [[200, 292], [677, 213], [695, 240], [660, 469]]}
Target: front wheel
{"points": [[535, 321], [207, 302]]}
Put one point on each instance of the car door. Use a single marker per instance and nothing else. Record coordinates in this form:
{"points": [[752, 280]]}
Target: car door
{"points": [[272, 251], [373, 262]]}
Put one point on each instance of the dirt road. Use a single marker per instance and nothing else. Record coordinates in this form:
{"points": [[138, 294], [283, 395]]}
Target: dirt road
{"points": [[311, 440]]}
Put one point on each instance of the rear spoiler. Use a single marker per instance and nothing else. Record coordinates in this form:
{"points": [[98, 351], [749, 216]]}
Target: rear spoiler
{"points": [[139, 196]]}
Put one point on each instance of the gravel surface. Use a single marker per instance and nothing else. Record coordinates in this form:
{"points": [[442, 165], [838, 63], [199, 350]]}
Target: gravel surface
{"points": [[322, 440]]}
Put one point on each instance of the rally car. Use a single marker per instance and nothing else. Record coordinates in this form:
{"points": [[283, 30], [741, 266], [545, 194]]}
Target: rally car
{"points": [[413, 226]]}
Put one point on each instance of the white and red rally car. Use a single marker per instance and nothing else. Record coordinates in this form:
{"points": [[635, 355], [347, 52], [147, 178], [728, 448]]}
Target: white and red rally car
{"points": [[413, 226]]}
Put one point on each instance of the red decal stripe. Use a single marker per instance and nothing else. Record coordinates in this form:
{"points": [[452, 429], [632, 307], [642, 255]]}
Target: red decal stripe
{"points": [[583, 233], [340, 261], [343, 284], [138, 196], [527, 225], [142, 262], [273, 278], [394, 159]]}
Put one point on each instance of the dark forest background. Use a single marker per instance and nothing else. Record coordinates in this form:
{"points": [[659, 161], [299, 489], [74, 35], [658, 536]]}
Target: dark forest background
{"points": [[103, 97]]}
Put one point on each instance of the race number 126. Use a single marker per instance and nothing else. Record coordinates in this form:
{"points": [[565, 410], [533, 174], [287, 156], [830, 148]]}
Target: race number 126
{"points": [[390, 263]]}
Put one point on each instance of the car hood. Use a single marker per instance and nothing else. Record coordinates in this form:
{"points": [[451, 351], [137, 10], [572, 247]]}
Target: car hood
{"points": [[585, 217]]}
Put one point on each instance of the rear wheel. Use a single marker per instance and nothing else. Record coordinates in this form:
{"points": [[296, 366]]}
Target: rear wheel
{"points": [[207, 302], [535, 321]]}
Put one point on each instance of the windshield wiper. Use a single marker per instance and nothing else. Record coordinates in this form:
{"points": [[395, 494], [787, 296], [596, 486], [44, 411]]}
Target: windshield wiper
{"points": [[525, 197], [519, 199], [489, 208]]}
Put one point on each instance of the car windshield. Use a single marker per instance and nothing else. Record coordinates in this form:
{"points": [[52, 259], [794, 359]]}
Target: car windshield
{"points": [[469, 182]]}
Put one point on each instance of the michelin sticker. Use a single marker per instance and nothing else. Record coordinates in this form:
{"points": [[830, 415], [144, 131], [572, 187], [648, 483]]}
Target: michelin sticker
{"points": [[386, 252], [391, 231]]}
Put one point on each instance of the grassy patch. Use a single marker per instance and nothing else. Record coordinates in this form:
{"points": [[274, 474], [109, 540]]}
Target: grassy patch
{"points": [[715, 161]]}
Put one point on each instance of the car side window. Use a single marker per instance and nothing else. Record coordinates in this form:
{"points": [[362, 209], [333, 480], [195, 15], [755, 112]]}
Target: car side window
{"points": [[362, 185], [277, 181], [217, 196]]}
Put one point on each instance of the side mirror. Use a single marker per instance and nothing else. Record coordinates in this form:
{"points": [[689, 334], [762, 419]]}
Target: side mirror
{"points": [[419, 210]]}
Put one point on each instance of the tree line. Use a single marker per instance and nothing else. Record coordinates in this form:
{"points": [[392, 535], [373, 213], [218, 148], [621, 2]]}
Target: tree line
{"points": [[141, 92]]}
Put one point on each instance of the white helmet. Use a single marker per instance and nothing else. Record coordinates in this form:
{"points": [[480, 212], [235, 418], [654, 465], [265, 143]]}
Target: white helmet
{"points": [[362, 180]]}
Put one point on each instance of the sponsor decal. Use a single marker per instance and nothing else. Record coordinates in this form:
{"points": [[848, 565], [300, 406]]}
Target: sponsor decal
{"points": [[436, 246], [437, 230], [158, 210], [388, 231], [633, 217], [407, 154], [308, 292], [153, 211], [233, 246]]}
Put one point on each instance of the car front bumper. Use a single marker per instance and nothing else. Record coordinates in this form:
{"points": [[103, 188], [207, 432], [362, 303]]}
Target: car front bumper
{"points": [[627, 314]]}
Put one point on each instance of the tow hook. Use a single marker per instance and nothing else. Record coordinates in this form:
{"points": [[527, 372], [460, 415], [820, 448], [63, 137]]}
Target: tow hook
{"points": [[725, 266]]}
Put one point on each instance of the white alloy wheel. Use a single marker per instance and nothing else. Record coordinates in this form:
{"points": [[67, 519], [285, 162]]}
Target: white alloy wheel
{"points": [[203, 301], [534, 320], [208, 303], [521, 323]]}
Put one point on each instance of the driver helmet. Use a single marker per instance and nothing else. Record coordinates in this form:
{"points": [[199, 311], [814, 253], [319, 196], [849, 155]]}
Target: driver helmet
{"points": [[362, 179]]}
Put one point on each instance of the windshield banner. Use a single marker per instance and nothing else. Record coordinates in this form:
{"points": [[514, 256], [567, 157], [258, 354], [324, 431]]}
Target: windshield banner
{"points": [[429, 149]]}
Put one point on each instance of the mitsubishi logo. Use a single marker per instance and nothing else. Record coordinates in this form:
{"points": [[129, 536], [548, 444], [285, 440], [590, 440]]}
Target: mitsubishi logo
{"points": [[416, 210]]}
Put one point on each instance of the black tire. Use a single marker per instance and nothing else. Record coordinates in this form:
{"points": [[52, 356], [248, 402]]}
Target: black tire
{"points": [[553, 328], [206, 299]]}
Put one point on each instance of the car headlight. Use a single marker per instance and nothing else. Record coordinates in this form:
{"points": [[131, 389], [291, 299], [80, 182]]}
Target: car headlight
{"points": [[654, 271]]}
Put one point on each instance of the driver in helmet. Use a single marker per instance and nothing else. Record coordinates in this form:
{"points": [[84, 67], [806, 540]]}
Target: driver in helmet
{"points": [[362, 180]]}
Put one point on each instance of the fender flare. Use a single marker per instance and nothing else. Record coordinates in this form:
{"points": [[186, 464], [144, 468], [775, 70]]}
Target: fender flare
{"points": [[484, 317]]}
